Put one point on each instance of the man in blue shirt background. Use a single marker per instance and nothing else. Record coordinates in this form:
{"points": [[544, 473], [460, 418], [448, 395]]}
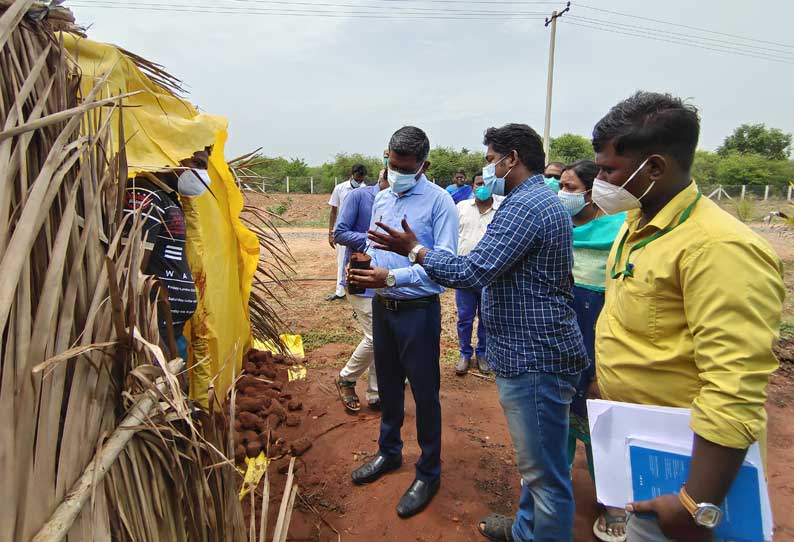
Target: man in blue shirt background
{"points": [[406, 316], [350, 231], [459, 190], [524, 264]]}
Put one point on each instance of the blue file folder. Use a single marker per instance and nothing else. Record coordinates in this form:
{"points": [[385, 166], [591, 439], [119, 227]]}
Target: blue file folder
{"points": [[658, 472]]}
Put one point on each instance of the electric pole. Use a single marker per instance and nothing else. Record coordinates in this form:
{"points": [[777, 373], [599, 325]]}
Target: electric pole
{"points": [[550, 79]]}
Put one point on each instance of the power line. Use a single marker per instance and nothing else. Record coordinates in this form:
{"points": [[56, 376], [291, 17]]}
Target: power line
{"points": [[698, 39], [374, 8], [699, 29], [677, 42], [184, 8]]}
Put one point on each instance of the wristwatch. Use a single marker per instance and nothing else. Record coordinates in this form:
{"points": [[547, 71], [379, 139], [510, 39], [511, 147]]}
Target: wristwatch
{"points": [[705, 514], [414, 253], [391, 280]]}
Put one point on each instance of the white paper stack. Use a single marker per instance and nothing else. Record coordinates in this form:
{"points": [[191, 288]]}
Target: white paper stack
{"points": [[614, 427]]}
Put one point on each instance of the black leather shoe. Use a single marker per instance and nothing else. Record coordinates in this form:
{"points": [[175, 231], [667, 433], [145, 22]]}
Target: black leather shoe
{"points": [[417, 497], [372, 470]]}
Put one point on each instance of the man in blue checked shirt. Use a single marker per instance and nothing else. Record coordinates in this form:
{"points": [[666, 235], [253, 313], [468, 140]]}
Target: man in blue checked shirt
{"points": [[524, 264], [406, 317]]}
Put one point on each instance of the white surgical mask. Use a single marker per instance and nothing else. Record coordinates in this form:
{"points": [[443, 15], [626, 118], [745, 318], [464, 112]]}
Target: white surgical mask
{"points": [[496, 184], [403, 182], [613, 199], [193, 182], [354, 183], [573, 201]]}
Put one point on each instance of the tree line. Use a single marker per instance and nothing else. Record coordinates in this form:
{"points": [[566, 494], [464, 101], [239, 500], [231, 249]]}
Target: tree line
{"points": [[753, 154]]}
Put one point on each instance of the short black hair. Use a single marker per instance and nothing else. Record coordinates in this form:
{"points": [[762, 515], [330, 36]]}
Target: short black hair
{"points": [[412, 141], [651, 122], [520, 138], [586, 170], [461, 172], [558, 164], [359, 169]]}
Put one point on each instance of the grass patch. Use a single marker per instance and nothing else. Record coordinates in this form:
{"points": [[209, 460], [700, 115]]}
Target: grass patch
{"points": [[279, 209], [309, 223], [314, 339], [745, 210], [787, 330]]}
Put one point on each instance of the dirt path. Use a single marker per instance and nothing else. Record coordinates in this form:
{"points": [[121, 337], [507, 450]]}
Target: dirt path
{"points": [[479, 475]]}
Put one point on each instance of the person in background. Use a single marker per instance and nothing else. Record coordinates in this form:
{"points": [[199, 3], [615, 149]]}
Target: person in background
{"points": [[459, 190], [692, 308], [474, 215], [351, 232], [524, 264], [154, 195], [358, 174], [406, 317], [593, 235], [552, 175]]}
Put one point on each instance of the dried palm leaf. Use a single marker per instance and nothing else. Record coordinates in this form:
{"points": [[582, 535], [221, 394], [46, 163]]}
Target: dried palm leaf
{"points": [[84, 386]]}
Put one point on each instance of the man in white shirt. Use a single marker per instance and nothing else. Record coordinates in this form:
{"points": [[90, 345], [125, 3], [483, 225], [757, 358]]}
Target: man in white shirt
{"points": [[474, 216], [357, 175]]}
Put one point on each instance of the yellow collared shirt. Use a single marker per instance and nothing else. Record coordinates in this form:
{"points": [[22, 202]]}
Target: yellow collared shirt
{"points": [[695, 326]]}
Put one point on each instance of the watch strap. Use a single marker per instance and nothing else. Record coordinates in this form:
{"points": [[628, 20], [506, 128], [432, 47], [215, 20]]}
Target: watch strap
{"points": [[687, 501], [415, 252]]}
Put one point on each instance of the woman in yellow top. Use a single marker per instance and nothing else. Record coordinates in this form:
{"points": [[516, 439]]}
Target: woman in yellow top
{"points": [[593, 236]]}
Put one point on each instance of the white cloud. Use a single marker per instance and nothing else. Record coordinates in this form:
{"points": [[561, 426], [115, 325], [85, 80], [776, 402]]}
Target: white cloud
{"points": [[312, 87]]}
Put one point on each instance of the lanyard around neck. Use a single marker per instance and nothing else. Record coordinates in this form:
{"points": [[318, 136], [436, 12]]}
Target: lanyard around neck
{"points": [[629, 270]]}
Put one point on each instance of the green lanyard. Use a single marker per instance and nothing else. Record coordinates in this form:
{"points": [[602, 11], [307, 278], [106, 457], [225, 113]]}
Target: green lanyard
{"points": [[629, 270]]}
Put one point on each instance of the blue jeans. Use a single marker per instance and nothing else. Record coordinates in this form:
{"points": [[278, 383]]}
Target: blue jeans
{"points": [[468, 302], [536, 406]]}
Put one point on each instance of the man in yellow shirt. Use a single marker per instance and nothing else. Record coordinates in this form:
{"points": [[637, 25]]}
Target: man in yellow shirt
{"points": [[692, 308]]}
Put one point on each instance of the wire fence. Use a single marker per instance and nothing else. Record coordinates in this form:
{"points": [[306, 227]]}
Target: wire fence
{"points": [[749, 191], [325, 185], [293, 185]]}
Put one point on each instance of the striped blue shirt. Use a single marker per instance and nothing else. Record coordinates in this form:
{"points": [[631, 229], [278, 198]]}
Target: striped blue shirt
{"points": [[433, 217], [524, 264]]}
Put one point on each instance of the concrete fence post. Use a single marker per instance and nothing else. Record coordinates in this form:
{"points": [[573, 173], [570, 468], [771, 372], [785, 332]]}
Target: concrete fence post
{"points": [[287, 184], [719, 194], [790, 189], [766, 192], [744, 189], [311, 185]]}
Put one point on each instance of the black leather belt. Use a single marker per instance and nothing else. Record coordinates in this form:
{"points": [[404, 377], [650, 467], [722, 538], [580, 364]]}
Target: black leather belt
{"points": [[405, 304]]}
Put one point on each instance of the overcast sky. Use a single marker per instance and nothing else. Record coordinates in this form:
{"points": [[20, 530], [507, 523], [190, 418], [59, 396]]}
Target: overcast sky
{"points": [[314, 86]]}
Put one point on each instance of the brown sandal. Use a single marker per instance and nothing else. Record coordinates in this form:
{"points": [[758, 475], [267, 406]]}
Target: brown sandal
{"points": [[497, 528], [347, 393]]}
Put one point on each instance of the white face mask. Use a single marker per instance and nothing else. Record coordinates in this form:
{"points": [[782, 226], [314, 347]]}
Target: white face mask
{"points": [[403, 182], [573, 201], [193, 182], [613, 199]]}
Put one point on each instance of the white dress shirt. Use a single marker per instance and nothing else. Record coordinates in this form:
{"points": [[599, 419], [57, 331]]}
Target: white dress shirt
{"points": [[472, 224]]}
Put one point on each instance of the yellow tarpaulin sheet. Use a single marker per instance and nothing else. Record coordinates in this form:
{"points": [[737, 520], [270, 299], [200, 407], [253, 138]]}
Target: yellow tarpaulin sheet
{"points": [[253, 474], [294, 344], [161, 130]]}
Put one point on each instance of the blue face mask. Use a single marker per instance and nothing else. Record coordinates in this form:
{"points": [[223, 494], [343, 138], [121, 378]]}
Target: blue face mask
{"points": [[494, 183], [354, 183], [403, 182], [483, 193]]}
